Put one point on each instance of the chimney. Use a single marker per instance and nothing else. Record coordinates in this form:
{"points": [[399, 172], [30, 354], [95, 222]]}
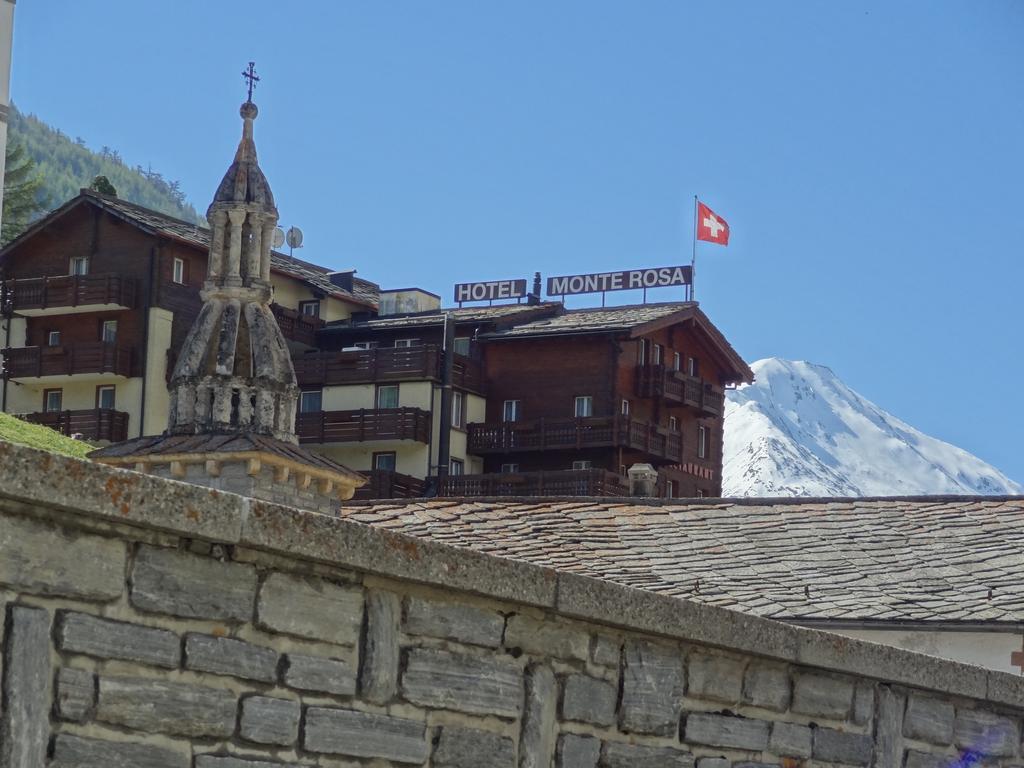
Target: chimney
{"points": [[534, 297], [343, 280], [643, 480]]}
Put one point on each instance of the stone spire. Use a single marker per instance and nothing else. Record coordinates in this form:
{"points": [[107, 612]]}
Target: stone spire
{"points": [[234, 372], [233, 391]]}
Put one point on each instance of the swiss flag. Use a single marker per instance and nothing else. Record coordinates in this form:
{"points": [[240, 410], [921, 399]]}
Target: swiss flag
{"points": [[711, 226]]}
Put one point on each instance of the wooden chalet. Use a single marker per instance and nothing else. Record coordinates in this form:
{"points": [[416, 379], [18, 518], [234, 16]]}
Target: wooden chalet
{"points": [[98, 296]]}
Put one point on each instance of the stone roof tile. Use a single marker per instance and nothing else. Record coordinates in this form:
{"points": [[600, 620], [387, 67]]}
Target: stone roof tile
{"points": [[927, 560]]}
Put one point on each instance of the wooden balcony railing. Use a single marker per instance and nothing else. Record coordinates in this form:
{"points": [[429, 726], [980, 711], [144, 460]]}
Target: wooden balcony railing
{"points": [[591, 432], [93, 424], [68, 360], [558, 482], [69, 291], [297, 326], [676, 387], [388, 484], [367, 366], [364, 424]]}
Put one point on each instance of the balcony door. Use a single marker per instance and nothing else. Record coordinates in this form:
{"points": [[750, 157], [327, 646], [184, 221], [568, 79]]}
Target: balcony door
{"points": [[108, 331], [583, 407], [105, 396], [53, 400], [387, 396]]}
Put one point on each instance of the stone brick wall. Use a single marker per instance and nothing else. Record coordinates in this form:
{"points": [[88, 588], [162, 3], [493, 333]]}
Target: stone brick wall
{"points": [[234, 477], [151, 623]]}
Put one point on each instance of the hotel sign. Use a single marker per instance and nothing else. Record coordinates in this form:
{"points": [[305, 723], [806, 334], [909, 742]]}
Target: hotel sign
{"points": [[633, 279], [490, 290]]}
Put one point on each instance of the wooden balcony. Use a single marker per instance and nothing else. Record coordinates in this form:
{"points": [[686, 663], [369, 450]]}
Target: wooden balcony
{"points": [[575, 434], [679, 389], [371, 366], [363, 425], [558, 482], [95, 357], [388, 484], [68, 293], [96, 424], [296, 326]]}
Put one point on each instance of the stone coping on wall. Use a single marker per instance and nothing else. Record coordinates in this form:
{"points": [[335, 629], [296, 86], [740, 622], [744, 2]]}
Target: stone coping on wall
{"points": [[34, 481]]}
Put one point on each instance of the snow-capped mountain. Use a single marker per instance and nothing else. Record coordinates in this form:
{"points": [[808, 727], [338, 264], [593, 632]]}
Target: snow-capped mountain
{"points": [[799, 431]]}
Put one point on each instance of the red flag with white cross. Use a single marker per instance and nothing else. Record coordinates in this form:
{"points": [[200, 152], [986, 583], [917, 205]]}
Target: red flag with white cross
{"points": [[710, 226]]}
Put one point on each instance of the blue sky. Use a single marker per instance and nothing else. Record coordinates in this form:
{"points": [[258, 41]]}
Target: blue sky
{"points": [[869, 157]]}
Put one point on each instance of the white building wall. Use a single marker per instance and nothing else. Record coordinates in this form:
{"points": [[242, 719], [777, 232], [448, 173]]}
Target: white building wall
{"points": [[983, 649]]}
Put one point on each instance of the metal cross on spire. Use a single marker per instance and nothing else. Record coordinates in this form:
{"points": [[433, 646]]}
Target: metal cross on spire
{"points": [[251, 76]]}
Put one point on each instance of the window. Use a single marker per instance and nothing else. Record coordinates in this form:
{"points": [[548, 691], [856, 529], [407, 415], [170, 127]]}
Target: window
{"points": [[364, 345], [625, 407], [582, 464], [401, 343], [178, 271], [385, 461], [642, 352], [458, 467], [691, 366], [676, 362], [657, 354], [311, 401], [458, 409], [105, 397], [584, 407], [673, 424], [53, 338], [53, 399], [702, 442], [509, 469], [387, 396], [670, 489], [310, 308], [108, 331], [79, 265], [462, 345], [510, 410]]}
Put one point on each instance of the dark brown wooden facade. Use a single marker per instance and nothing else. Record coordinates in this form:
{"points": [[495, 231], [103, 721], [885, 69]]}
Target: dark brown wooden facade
{"points": [[653, 376], [132, 260], [641, 409]]}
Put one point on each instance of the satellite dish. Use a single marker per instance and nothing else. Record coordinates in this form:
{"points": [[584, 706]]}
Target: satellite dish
{"points": [[294, 237], [278, 237]]}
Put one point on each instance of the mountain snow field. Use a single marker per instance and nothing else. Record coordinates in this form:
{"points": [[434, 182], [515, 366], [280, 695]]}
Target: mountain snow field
{"points": [[800, 431]]}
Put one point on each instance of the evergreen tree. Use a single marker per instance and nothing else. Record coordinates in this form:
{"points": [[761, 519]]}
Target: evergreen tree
{"points": [[23, 193], [102, 185]]}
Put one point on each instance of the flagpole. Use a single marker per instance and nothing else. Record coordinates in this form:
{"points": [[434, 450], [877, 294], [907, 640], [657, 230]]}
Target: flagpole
{"points": [[693, 258]]}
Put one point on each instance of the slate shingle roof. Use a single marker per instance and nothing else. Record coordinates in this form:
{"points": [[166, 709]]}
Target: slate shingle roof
{"points": [[596, 320], [932, 560], [504, 312], [173, 445]]}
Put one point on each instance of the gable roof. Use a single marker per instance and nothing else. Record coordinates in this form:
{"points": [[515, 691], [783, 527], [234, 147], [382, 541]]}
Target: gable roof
{"points": [[635, 319], [364, 292], [927, 561]]}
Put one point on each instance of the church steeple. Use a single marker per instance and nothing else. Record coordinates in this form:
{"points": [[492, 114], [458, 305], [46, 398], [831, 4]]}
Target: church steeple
{"points": [[233, 392], [234, 372]]}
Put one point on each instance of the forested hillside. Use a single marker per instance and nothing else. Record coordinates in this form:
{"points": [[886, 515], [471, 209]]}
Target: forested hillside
{"points": [[66, 165]]}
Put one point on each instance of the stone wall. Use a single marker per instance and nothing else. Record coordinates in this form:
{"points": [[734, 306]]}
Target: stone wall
{"points": [[150, 623], [236, 477]]}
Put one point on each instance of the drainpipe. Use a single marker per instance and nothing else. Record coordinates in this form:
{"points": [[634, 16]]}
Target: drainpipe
{"points": [[145, 337], [444, 439], [7, 314]]}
